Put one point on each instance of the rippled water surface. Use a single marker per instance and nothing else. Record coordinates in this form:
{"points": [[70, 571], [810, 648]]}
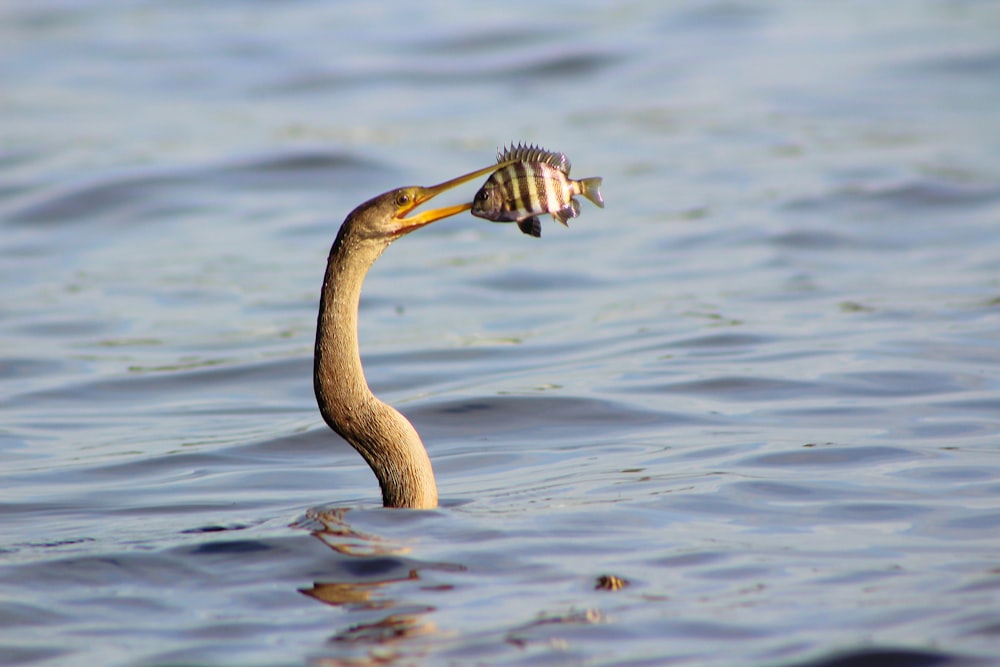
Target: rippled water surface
{"points": [[748, 414]]}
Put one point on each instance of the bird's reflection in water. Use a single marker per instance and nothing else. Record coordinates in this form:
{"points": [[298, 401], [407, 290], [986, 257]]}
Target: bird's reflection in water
{"points": [[329, 526], [395, 632]]}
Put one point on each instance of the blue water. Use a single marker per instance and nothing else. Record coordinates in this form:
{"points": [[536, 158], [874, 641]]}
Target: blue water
{"points": [[761, 388]]}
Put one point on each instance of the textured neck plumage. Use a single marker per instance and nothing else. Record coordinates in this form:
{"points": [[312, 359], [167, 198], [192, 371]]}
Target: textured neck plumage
{"points": [[384, 437]]}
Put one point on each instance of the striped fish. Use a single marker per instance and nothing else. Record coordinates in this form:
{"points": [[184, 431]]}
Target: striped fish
{"points": [[537, 183]]}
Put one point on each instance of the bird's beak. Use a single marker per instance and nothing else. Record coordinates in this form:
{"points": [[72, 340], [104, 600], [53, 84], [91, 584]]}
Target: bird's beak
{"points": [[424, 195]]}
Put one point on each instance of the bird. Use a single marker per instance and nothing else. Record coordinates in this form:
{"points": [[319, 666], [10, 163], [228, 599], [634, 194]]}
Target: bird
{"points": [[386, 439]]}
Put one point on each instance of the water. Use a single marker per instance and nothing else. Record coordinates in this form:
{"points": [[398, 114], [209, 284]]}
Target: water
{"points": [[761, 388]]}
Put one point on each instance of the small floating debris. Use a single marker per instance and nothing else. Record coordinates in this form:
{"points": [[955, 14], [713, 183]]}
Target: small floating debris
{"points": [[610, 582]]}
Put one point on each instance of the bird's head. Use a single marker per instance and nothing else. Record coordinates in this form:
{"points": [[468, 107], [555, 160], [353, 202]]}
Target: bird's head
{"points": [[390, 215]]}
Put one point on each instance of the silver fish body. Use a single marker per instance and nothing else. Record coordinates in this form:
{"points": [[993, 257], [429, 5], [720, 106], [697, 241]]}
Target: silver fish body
{"points": [[537, 183]]}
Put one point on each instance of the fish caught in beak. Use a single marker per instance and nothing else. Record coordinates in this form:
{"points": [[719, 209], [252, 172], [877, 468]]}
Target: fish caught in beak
{"points": [[408, 199]]}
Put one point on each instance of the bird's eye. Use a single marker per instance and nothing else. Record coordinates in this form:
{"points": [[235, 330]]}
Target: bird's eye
{"points": [[402, 199]]}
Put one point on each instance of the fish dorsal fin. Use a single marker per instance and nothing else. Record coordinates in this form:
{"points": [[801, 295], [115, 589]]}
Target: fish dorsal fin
{"points": [[533, 153]]}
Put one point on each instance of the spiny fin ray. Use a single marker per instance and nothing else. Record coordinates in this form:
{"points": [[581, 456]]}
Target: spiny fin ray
{"points": [[534, 153]]}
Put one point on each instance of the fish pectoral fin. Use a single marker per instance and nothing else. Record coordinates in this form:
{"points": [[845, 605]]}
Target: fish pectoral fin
{"points": [[531, 226]]}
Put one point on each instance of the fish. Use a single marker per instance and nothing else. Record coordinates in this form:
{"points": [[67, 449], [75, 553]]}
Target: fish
{"points": [[537, 182]]}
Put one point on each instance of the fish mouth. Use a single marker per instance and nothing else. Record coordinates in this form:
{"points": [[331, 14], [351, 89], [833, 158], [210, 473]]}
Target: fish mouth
{"points": [[421, 195]]}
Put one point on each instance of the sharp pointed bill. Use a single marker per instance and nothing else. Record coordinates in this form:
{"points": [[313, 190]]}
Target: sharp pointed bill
{"points": [[536, 181]]}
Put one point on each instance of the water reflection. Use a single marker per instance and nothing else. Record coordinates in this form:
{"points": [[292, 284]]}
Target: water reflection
{"points": [[329, 525], [376, 588]]}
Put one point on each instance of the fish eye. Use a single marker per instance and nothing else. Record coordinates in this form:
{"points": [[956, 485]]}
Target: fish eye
{"points": [[402, 198], [483, 195]]}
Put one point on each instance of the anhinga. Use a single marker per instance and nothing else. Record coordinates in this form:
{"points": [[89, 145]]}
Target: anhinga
{"points": [[385, 438]]}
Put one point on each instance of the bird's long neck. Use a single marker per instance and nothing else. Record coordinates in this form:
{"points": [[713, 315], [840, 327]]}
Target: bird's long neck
{"points": [[384, 437]]}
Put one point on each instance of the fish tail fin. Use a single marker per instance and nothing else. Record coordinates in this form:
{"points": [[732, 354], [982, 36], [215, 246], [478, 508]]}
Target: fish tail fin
{"points": [[591, 189]]}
